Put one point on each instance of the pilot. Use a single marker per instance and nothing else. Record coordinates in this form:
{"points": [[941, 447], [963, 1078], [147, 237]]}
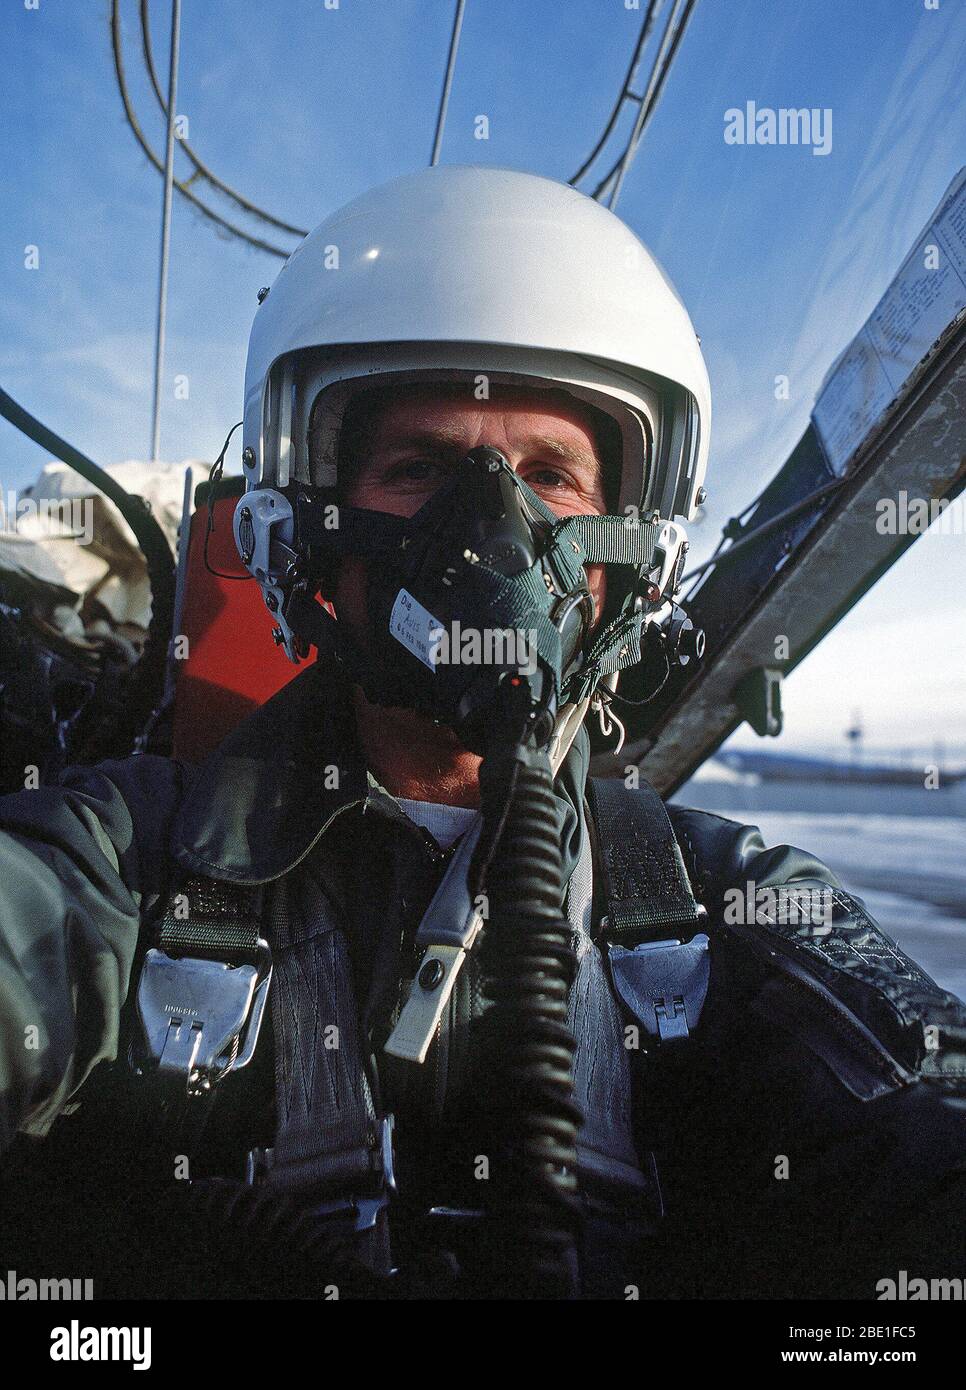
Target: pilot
{"points": [[388, 996]]}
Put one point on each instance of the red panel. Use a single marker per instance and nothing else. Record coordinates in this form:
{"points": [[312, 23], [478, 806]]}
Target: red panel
{"points": [[233, 666]]}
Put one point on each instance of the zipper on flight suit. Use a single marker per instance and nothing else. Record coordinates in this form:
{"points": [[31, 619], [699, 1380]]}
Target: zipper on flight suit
{"points": [[881, 1067]]}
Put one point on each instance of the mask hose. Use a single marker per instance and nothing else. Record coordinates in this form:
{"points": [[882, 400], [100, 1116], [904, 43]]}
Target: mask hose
{"points": [[529, 1118]]}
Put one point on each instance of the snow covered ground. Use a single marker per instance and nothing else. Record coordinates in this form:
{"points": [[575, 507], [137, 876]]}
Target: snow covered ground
{"points": [[909, 869]]}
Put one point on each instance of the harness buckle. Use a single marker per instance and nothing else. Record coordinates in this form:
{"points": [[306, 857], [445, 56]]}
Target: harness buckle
{"points": [[200, 1018], [663, 984], [672, 1021], [364, 1210]]}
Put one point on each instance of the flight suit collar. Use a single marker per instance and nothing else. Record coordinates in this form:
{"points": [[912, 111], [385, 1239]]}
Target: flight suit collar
{"points": [[260, 801]]}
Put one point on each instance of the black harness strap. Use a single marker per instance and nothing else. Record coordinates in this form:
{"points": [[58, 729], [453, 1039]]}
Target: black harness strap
{"points": [[327, 1128], [332, 1151], [332, 1148], [212, 920], [648, 892]]}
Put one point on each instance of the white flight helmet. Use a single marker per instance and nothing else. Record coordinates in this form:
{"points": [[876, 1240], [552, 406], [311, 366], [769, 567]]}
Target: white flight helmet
{"points": [[488, 275]]}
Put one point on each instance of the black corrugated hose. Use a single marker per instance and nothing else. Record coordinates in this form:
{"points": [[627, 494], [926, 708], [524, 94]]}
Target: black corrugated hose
{"points": [[528, 963]]}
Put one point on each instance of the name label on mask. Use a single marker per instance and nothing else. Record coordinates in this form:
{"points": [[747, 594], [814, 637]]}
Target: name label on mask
{"points": [[416, 628]]}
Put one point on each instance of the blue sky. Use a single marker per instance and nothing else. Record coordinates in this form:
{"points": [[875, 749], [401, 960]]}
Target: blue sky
{"points": [[779, 254]]}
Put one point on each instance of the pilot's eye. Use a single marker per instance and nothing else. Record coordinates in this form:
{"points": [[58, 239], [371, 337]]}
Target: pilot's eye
{"points": [[546, 476], [415, 470]]}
